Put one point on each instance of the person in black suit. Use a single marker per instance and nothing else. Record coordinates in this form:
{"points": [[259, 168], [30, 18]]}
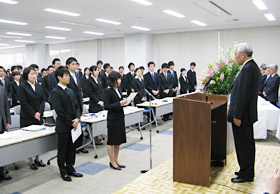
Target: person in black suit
{"points": [[50, 69], [44, 72], [243, 111], [191, 75], [138, 85], [166, 86], [51, 80], [270, 91], [14, 68], [171, 66], [30, 95], [184, 83], [104, 76], [38, 79], [121, 71], [75, 85], [4, 81], [84, 79], [5, 122], [113, 102], [68, 118], [15, 86], [263, 70], [129, 77], [151, 80], [99, 64]]}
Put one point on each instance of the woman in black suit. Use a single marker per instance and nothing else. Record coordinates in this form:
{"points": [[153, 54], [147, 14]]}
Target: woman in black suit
{"points": [[84, 79], [184, 83], [138, 86], [15, 86], [113, 102], [32, 103]]}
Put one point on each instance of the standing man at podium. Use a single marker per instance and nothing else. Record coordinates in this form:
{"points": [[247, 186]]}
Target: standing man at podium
{"points": [[243, 112]]}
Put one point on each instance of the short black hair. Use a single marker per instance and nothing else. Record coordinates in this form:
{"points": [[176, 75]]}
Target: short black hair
{"points": [[142, 68], [170, 63], [138, 68], [112, 78], [99, 61], [164, 65], [121, 67], [60, 71], [150, 63], [19, 66], [26, 71], [50, 66], [192, 64], [70, 60], [14, 67], [1, 67], [15, 73], [85, 69], [55, 60], [111, 67], [183, 69], [106, 65], [93, 68], [34, 66], [158, 71], [42, 70], [130, 64]]}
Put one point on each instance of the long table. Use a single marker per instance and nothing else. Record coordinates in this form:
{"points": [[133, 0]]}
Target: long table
{"points": [[26, 145]]}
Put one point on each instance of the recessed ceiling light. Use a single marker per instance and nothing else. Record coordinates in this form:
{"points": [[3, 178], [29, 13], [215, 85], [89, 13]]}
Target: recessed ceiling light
{"points": [[93, 33], [13, 22], [10, 37], [8, 2], [55, 37], [140, 28], [58, 28], [108, 21], [18, 34], [260, 4], [1, 44], [143, 2], [198, 23], [25, 41], [62, 12], [174, 13], [269, 17]]}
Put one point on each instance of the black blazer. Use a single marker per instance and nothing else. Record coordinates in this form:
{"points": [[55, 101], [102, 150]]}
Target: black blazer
{"points": [[166, 84], [184, 84], [77, 89], [66, 108], [138, 86], [8, 87], [84, 86], [150, 84], [128, 78], [103, 79], [112, 104], [263, 82], [95, 93], [175, 78], [271, 88], [192, 79], [15, 99], [244, 94], [123, 83], [31, 102]]}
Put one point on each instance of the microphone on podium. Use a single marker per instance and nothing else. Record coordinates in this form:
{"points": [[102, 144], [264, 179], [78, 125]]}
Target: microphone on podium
{"points": [[208, 82], [154, 98], [206, 87]]}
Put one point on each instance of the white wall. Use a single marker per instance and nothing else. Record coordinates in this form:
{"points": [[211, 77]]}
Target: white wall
{"points": [[12, 56]]}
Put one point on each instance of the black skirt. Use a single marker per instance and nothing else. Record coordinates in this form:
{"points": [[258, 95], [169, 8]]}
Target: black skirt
{"points": [[116, 132]]}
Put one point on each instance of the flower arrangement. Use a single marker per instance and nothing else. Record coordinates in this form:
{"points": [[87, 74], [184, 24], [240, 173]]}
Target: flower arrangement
{"points": [[223, 73]]}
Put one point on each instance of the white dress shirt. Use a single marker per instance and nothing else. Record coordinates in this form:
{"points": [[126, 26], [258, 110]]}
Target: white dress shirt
{"points": [[62, 86], [74, 77], [32, 85]]}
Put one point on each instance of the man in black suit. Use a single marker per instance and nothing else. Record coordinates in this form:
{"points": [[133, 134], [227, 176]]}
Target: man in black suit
{"points": [[68, 115], [270, 91], [123, 86], [151, 80], [129, 77], [75, 85], [166, 86], [14, 68], [15, 86], [104, 76], [5, 121], [191, 75], [243, 111], [171, 67], [99, 64], [263, 70], [4, 81]]}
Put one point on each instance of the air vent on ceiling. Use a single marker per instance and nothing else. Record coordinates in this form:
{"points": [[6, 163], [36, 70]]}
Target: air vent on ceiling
{"points": [[212, 8], [219, 7]]}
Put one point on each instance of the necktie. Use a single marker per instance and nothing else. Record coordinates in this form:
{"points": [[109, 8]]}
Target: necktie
{"points": [[153, 75], [165, 75], [75, 79], [67, 91], [3, 81], [173, 73], [267, 80]]}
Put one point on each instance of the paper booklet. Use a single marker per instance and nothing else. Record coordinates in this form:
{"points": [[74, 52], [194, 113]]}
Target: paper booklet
{"points": [[130, 97]]}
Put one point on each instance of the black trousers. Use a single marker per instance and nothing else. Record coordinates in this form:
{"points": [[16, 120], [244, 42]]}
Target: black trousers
{"points": [[66, 153], [79, 142], [245, 149], [191, 91]]}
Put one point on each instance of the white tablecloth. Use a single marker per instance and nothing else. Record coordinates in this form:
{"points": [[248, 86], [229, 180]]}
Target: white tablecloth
{"points": [[268, 118]]}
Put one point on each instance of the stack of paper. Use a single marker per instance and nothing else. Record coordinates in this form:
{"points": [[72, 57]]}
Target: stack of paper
{"points": [[34, 128], [10, 135]]}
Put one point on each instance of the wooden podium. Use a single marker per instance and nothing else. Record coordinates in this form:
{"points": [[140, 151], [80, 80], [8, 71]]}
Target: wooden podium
{"points": [[199, 136]]}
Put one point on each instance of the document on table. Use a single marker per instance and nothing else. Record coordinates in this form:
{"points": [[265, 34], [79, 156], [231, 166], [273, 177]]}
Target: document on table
{"points": [[130, 97], [76, 133]]}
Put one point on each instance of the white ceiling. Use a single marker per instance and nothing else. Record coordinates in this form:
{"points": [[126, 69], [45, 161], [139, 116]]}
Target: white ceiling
{"points": [[128, 13]]}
